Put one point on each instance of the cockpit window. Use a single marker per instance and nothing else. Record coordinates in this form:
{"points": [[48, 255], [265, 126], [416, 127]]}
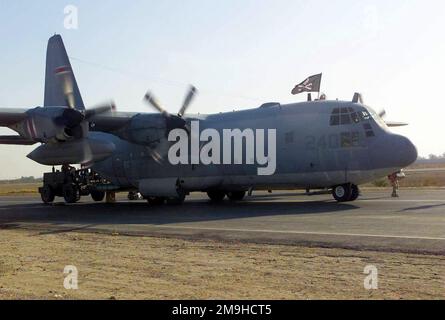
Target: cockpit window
{"points": [[344, 116], [335, 120], [345, 119], [355, 118], [364, 115]]}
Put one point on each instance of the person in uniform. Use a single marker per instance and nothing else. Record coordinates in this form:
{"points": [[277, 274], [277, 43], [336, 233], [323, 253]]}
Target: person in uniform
{"points": [[394, 180]]}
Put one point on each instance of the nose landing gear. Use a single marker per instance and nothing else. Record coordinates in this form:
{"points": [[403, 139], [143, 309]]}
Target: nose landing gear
{"points": [[346, 192]]}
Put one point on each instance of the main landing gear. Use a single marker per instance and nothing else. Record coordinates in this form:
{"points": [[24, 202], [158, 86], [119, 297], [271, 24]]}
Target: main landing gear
{"points": [[173, 201], [346, 192], [219, 195]]}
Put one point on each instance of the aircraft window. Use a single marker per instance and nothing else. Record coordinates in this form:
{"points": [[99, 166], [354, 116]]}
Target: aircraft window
{"points": [[345, 119], [345, 139], [365, 115], [344, 116], [367, 126], [355, 139], [335, 120], [355, 117]]}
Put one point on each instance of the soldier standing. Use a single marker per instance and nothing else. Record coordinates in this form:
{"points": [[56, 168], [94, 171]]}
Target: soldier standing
{"points": [[394, 180]]}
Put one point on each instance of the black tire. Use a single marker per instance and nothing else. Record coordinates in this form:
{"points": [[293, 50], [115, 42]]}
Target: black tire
{"points": [[71, 193], [97, 196], [342, 193], [156, 201], [133, 196], [355, 193], [216, 195], [47, 195], [236, 195]]}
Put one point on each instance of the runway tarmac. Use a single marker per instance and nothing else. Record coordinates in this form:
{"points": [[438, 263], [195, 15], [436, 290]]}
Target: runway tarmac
{"points": [[415, 222]]}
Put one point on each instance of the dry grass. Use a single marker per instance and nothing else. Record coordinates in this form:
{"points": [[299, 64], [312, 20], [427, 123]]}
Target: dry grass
{"points": [[19, 188], [428, 166], [424, 179], [31, 266]]}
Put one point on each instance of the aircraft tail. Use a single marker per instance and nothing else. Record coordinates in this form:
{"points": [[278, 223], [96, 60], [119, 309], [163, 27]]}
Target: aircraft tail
{"points": [[60, 83]]}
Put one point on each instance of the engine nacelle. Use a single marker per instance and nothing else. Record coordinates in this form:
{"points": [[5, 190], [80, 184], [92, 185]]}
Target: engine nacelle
{"points": [[72, 152], [145, 129], [52, 124]]}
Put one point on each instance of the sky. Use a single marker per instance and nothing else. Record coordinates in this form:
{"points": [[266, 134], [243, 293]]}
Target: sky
{"points": [[238, 53]]}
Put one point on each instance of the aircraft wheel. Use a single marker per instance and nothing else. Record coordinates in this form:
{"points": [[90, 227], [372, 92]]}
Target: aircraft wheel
{"points": [[355, 192], [342, 193], [236, 195], [133, 196], [47, 195], [216, 195], [70, 193], [97, 195], [155, 201]]}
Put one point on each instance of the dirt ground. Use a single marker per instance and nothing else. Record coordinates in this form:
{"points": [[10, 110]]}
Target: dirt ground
{"points": [[120, 267]]}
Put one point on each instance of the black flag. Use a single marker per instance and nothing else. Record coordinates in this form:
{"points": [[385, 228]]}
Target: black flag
{"points": [[311, 84]]}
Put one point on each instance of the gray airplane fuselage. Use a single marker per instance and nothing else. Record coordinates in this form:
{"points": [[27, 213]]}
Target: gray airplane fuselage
{"points": [[319, 144]]}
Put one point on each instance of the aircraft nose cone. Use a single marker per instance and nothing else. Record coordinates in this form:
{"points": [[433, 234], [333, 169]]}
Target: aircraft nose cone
{"points": [[407, 151]]}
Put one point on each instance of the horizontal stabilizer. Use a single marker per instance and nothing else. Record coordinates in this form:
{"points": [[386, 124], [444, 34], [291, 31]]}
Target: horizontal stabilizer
{"points": [[16, 140]]}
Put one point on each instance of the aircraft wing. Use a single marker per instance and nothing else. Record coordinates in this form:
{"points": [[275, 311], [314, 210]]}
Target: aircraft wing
{"points": [[16, 140], [10, 116]]}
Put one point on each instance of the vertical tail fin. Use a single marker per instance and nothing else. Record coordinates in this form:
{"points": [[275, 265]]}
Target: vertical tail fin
{"points": [[60, 83]]}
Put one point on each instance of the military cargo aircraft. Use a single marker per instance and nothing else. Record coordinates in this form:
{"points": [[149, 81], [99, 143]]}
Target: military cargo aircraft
{"points": [[315, 144]]}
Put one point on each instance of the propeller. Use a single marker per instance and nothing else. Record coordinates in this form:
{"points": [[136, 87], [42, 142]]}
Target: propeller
{"points": [[65, 76], [72, 117], [150, 99], [390, 124], [72, 120], [172, 121], [358, 98], [187, 101]]}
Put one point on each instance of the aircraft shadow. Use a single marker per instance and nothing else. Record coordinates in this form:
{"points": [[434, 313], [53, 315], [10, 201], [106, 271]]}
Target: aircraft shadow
{"points": [[140, 213], [427, 207]]}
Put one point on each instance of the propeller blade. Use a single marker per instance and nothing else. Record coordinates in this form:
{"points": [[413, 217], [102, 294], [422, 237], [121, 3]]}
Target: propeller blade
{"points": [[65, 75], [382, 114], [188, 99], [99, 110], [393, 124], [151, 100]]}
